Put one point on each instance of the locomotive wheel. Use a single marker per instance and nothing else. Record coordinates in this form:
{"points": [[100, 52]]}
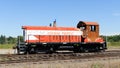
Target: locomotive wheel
{"points": [[32, 51], [86, 50], [103, 49], [97, 49], [50, 50], [76, 49], [81, 49]]}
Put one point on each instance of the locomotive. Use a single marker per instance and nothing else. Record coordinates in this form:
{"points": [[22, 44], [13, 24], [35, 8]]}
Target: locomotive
{"points": [[83, 38]]}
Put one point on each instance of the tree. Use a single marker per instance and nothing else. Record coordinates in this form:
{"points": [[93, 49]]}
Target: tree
{"points": [[11, 40], [113, 38], [3, 39], [20, 38]]}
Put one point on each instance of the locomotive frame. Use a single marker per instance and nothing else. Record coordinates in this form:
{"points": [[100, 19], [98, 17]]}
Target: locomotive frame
{"points": [[84, 38]]}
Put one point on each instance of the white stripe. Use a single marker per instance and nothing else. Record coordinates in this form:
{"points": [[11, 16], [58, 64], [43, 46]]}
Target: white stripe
{"points": [[52, 32], [32, 38]]}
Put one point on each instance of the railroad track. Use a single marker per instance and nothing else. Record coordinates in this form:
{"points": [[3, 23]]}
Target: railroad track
{"points": [[12, 58]]}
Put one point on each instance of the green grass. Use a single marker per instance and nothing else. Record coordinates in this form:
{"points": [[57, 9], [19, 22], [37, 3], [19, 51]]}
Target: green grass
{"points": [[97, 65], [113, 44], [6, 46]]}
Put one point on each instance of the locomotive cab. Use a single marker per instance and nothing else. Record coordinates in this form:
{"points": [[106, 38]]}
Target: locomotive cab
{"points": [[90, 31], [90, 37]]}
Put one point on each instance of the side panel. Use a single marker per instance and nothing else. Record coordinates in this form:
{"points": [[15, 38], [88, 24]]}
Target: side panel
{"points": [[34, 36], [55, 39]]}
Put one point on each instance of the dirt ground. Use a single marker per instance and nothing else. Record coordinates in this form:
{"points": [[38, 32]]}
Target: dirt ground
{"points": [[112, 63], [7, 51]]}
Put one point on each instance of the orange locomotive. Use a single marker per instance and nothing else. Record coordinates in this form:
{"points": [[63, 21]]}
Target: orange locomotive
{"points": [[50, 39]]}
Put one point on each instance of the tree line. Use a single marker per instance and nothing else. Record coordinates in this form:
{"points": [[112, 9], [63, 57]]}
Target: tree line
{"points": [[112, 38], [13, 40], [9, 40]]}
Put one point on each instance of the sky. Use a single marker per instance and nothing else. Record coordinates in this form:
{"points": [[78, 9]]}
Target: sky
{"points": [[17, 13]]}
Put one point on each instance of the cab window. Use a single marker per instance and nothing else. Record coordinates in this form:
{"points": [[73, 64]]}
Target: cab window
{"points": [[92, 28]]}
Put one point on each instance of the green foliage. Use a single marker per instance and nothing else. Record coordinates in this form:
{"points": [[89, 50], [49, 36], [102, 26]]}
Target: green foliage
{"points": [[10, 39], [2, 39], [9, 42], [113, 38]]}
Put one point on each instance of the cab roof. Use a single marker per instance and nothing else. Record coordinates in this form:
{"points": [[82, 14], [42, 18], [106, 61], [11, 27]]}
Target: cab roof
{"points": [[88, 23], [82, 23]]}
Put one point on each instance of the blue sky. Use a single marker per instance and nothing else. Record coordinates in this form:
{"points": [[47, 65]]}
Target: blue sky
{"points": [[16, 13]]}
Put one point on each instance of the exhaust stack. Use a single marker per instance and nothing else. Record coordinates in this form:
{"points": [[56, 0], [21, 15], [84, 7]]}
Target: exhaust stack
{"points": [[54, 23]]}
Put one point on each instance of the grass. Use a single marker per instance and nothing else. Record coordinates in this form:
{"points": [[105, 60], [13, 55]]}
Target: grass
{"points": [[113, 45], [6, 46]]}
